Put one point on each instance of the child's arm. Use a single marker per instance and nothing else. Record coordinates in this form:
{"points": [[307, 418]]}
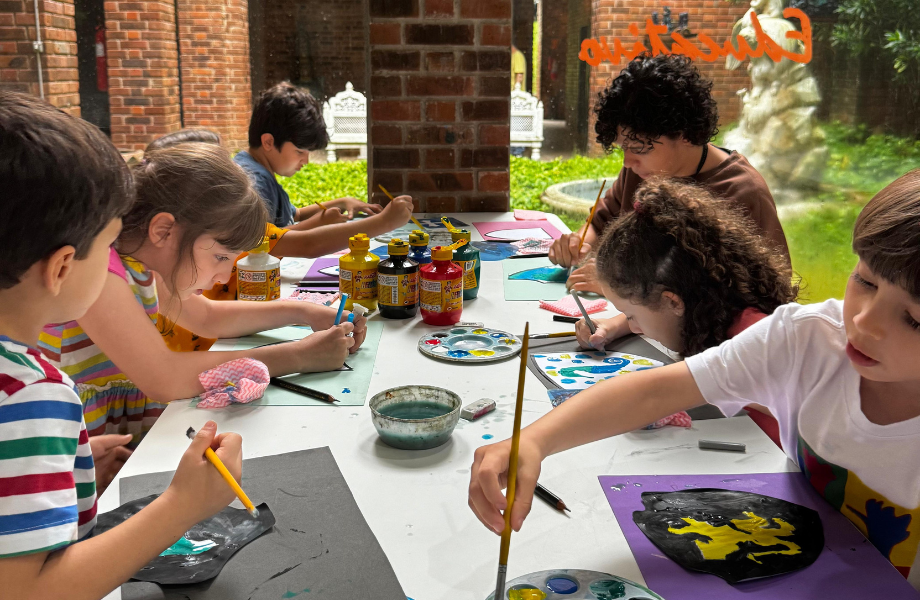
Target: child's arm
{"points": [[124, 332], [91, 569], [606, 331], [332, 238], [354, 206], [609, 408], [332, 216]]}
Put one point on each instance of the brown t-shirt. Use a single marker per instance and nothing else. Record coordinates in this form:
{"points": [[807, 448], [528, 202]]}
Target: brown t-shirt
{"points": [[732, 179]]}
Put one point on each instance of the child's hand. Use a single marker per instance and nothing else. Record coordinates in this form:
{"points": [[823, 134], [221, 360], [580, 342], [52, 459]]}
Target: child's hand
{"points": [[565, 252], [603, 334], [489, 475], [354, 206], [325, 350], [197, 487], [332, 216], [398, 212], [584, 278], [320, 318], [109, 455]]}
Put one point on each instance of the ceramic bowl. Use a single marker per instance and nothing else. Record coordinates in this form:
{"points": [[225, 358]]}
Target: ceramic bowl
{"points": [[415, 434]]}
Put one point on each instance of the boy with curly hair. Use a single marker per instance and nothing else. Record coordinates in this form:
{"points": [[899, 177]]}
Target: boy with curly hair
{"points": [[660, 111]]}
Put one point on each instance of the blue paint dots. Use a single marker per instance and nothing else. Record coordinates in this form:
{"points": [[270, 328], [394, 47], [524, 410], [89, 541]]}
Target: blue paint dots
{"points": [[539, 356], [567, 380], [554, 359], [562, 585], [590, 382], [576, 361], [487, 436], [582, 356], [346, 391], [458, 353], [496, 335], [600, 354]]}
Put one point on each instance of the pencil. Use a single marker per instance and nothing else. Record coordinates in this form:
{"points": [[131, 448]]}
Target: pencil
{"points": [[550, 498], [537, 255], [544, 336], [231, 481], [591, 326], [590, 220], [512, 472], [565, 319], [390, 196], [338, 315], [302, 390]]}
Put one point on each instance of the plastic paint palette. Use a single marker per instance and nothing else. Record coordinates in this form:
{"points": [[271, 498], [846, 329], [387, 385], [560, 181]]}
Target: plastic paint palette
{"points": [[575, 584], [470, 344]]}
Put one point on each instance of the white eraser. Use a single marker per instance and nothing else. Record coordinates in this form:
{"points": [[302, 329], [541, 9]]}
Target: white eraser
{"points": [[473, 411]]}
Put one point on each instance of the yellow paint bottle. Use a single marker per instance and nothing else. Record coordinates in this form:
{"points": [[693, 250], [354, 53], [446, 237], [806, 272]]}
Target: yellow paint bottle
{"points": [[258, 275], [358, 273]]}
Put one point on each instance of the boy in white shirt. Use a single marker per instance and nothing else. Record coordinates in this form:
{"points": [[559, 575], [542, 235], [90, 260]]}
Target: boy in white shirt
{"points": [[842, 379]]}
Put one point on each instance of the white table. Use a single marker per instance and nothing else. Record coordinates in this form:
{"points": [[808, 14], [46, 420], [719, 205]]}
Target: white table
{"points": [[416, 501]]}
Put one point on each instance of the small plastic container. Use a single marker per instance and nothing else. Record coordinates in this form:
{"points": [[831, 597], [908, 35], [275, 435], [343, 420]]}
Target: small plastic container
{"points": [[258, 275]]}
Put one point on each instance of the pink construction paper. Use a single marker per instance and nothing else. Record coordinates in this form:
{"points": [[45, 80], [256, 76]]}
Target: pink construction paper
{"points": [[485, 229]]}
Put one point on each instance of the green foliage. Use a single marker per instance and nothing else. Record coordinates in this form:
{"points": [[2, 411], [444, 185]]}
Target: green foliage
{"points": [[866, 163], [319, 182]]}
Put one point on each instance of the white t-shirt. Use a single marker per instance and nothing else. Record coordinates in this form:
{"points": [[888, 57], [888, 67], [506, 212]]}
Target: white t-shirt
{"points": [[794, 363]]}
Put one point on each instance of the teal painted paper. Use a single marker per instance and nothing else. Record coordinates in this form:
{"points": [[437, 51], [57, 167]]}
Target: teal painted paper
{"points": [[522, 288]]}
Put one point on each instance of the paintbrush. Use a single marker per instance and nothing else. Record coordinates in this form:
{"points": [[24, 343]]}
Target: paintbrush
{"points": [[302, 390], [545, 336], [231, 481], [512, 471], [390, 196], [338, 315], [588, 222], [591, 326]]}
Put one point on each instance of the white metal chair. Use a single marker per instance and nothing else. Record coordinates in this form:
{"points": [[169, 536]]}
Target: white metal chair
{"points": [[345, 115], [526, 121]]}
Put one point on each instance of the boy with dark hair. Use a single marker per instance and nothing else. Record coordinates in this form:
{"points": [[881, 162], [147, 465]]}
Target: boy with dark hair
{"points": [[286, 124], [62, 178], [660, 111]]}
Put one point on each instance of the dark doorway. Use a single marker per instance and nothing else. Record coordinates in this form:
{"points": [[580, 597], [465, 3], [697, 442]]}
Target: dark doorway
{"points": [[91, 63], [582, 142]]}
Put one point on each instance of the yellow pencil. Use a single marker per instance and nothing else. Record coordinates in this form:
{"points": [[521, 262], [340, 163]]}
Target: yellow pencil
{"points": [[231, 481], [390, 196], [512, 472], [591, 216]]}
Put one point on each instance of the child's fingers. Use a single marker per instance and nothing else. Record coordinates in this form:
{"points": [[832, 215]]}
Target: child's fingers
{"points": [[202, 440], [107, 442]]}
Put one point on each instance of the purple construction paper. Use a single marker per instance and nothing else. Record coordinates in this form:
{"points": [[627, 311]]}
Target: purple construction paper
{"points": [[314, 276], [849, 567]]}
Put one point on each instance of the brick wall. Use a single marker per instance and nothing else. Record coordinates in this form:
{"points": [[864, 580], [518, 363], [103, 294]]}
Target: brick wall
{"points": [[214, 38], [143, 71], [439, 102], [18, 63], [320, 44]]}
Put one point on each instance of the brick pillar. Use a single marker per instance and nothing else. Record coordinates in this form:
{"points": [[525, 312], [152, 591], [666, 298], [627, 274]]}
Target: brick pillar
{"points": [[214, 38], [440, 74], [18, 63], [143, 71]]}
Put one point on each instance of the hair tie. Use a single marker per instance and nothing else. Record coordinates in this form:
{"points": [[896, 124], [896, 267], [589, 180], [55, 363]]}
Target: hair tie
{"points": [[637, 207]]}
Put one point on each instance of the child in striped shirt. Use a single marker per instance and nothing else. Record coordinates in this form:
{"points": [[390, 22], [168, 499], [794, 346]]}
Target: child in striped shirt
{"points": [[62, 178]]}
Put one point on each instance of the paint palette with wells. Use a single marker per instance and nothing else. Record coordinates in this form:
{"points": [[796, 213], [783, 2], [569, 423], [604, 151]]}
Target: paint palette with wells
{"points": [[574, 584], [470, 344]]}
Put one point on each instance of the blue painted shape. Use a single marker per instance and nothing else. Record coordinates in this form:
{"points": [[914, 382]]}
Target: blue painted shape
{"points": [[562, 585], [593, 370], [582, 356], [617, 362], [458, 353], [542, 275], [187, 547], [575, 361], [346, 391], [554, 360], [487, 436], [494, 251], [568, 380], [600, 353], [539, 355]]}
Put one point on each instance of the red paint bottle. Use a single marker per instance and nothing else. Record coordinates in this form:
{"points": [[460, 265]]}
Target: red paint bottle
{"points": [[441, 288]]}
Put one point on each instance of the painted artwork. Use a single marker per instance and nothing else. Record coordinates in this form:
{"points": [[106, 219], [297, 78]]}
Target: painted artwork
{"points": [[533, 279], [495, 251], [731, 534], [847, 564], [581, 370], [541, 275], [323, 271], [512, 231]]}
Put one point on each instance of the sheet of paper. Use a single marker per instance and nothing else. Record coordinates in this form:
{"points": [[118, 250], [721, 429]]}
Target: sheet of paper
{"points": [[517, 230], [349, 387], [849, 567], [320, 546], [580, 370], [533, 279]]}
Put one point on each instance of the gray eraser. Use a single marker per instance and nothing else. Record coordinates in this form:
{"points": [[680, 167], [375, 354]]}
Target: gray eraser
{"points": [[473, 411], [726, 446]]}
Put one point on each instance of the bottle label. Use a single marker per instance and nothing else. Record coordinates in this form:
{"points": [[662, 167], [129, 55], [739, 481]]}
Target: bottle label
{"points": [[469, 273], [260, 286], [346, 282], [442, 296], [364, 284], [397, 290]]}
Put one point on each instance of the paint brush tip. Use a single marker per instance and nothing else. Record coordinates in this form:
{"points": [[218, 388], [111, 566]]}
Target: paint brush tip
{"points": [[255, 513]]}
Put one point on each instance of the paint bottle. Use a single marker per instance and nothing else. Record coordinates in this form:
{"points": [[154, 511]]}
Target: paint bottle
{"points": [[467, 258], [441, 290], [418, 247], [358, 273], [258, 275], [397, 282]]}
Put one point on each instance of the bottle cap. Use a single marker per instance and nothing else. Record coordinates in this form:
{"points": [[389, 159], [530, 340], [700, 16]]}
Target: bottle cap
{"points": [[398, 247], [261, 248], [359, 242], [445, 252], [459, 234], [419, 238]]}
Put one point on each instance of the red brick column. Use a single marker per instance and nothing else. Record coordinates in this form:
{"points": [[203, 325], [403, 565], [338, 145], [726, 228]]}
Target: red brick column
{"points": [[18, 64], [439, 97], [217, 95], [143, 71]]}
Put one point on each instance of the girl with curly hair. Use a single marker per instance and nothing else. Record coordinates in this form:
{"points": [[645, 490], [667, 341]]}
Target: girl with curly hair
{"points": [[687, 270]]}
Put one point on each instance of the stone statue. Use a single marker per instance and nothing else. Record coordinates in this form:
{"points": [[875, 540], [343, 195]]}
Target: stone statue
{"points": [[778, 132]]}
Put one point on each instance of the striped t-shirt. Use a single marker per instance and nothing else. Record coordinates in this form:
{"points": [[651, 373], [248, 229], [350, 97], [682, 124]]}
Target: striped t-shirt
{"points": [[47, 480], [111, 401]]}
